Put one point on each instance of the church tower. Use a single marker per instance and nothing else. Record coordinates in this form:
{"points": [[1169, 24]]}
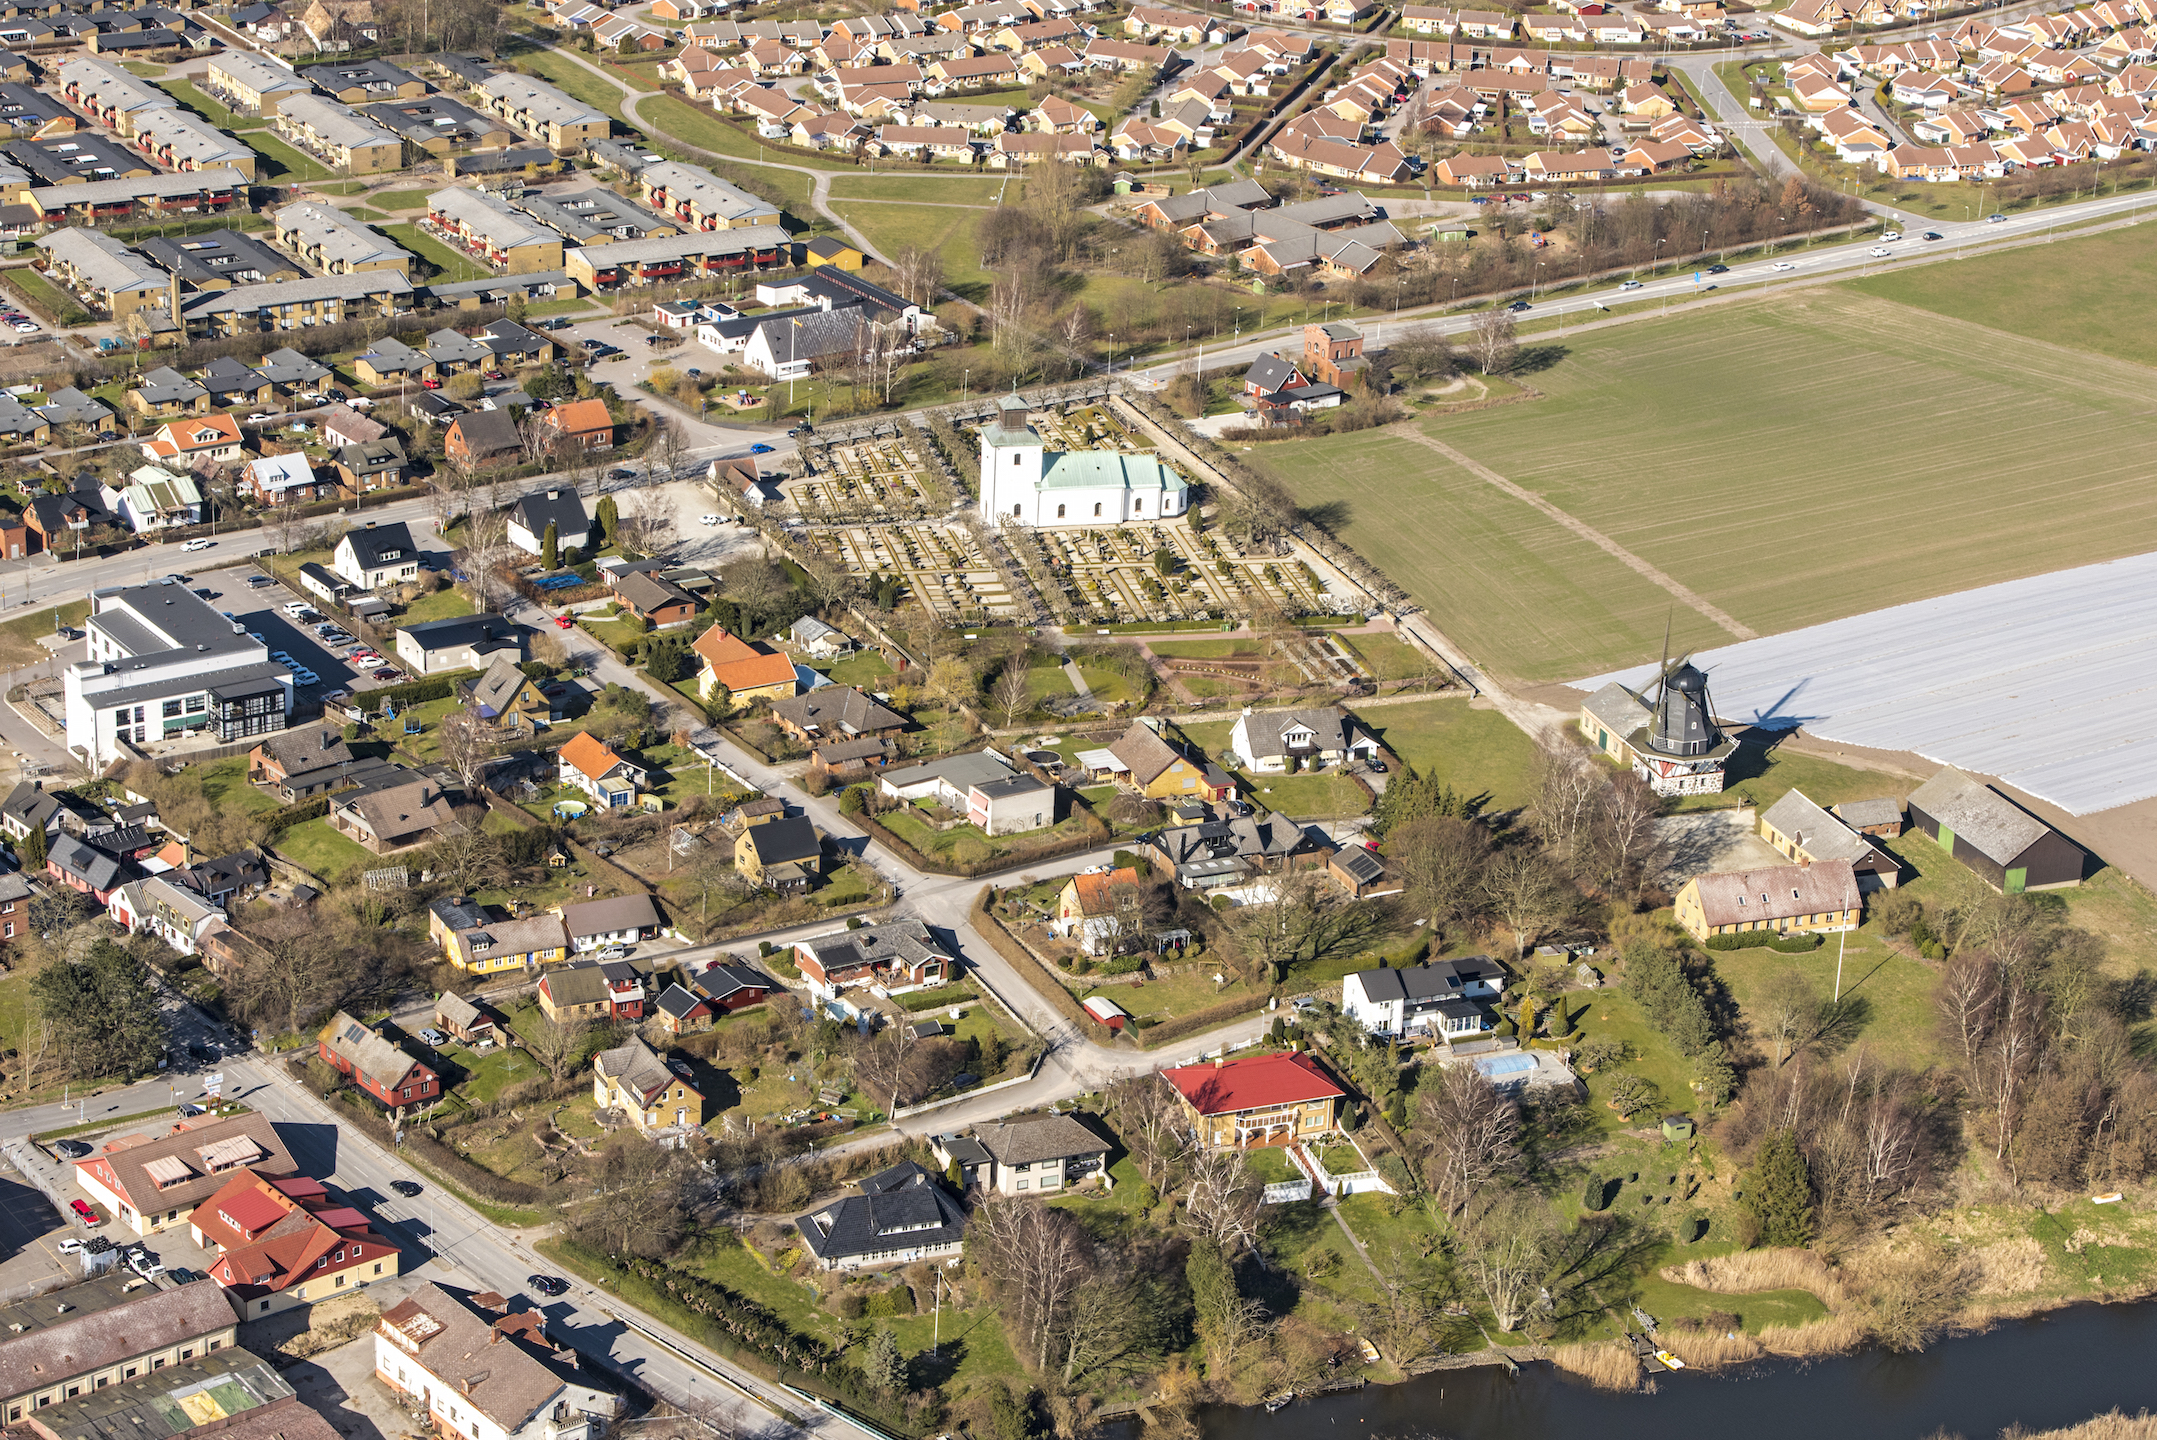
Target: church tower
{"points": [[1011, 463]]}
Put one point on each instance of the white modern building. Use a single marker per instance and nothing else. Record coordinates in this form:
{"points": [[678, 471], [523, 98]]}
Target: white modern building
{"points": [[1439, 998], [1025, 483], [163, 663], [1268, 742]]}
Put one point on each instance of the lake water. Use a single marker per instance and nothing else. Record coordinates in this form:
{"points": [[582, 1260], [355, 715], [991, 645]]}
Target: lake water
{"points": [[2041, 1373]]}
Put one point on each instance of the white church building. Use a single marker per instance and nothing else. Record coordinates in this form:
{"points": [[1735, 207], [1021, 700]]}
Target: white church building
{"points": [[1026, 484]]}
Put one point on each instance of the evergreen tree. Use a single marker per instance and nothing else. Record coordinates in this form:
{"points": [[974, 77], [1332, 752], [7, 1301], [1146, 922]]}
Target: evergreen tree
{"points": [[609, 516], [884, 1367], [1213, 1287], [955, 1177], [1411, 796], [103, 1013], [550, 547], [32, 849], [1779, 1192]]}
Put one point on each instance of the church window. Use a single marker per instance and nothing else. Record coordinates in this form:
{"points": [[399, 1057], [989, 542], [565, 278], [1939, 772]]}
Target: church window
{"points": [[1138, 505], [1014, 512], [1097, 509], [1059, 512]]}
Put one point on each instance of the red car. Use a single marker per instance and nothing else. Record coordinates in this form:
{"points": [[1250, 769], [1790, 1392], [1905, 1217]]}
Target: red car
{"points": [[84, 1213], [385, 673], [430, 384], [564, 622]]}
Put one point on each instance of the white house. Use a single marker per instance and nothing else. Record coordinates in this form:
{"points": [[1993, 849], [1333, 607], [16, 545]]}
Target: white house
{"points": [[563, 509], [377, 554], [1013, 806], [1027, 484], [1267, 742], [175, 914], [1437, 998], [155, 499], [163, 664], [820, 641], [487, 1374], [457, 642]]}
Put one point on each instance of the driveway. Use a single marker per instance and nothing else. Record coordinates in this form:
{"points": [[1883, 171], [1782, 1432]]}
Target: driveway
{"points": [[1699, 842]]}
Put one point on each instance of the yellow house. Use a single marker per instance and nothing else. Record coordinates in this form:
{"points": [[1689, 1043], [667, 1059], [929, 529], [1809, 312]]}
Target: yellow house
{"points": [[785, 854], [634, 1080], [830, 250], [1155, 768], [1262, 1100], [497, 946], [1786, 899]]}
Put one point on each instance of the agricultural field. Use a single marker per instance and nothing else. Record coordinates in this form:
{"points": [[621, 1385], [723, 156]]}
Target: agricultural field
{"points": [[2072, 299], [1637, 438]]}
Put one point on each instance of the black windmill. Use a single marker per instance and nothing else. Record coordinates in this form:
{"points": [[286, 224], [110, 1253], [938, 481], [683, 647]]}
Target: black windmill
{"points": [[1683, 722]]}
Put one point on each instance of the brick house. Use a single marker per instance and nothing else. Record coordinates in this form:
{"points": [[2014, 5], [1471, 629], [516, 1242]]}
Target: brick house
{"points": [[377, 1065]]}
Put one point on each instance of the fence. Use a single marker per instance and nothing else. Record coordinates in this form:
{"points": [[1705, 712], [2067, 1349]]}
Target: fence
{"points": [[1282, 1192]]}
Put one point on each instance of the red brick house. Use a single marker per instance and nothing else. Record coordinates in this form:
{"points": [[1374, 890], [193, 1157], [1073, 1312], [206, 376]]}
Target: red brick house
{"points": [[375, 1064]]}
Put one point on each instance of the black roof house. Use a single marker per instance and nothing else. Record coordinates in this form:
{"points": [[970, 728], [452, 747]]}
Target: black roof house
{"points": [[2011, 848], [902, 1214], [378, 544]]}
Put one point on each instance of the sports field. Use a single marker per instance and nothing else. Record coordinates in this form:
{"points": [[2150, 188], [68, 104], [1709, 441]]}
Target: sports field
{"points": [[1790, 461]]}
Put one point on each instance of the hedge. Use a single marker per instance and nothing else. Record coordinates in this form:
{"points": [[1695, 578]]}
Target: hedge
{"points": [[298, 814], [1029, 965], [1153, 1036], [935, 999], [417, 692], [1755, 939]]}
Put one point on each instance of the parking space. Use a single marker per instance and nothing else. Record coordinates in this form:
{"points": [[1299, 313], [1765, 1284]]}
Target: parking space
{"points": [[31, 1229], [262, 608]]}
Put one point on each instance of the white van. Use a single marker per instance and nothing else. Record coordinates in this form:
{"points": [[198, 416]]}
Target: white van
{"points": [[198, 543]]}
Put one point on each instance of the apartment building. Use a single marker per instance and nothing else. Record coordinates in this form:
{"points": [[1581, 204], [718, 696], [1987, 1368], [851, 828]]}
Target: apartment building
{"points": [[164, 663], [339, 135], [336, 244], [487, 228]]}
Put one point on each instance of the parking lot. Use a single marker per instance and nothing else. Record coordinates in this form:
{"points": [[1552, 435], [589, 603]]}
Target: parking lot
{"points": [[31, 1229]]}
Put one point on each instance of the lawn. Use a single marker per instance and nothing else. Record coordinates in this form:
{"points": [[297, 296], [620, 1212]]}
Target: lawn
{"points": [[1950, 468], [2071, 299], [1236, 649], [892, 228], [283, 163], [224, 785], [1390, 657], [1891, 1012], [865, 668], [439, 606], [567, 75], [18, 638], [194, 99], [435, 253], [1476, 751], [45, 295], [556, 307], [400, 200], [1763, 776], [958, 188], [315, 846], [695, 125], [1613, 1014], [1327, 796]]}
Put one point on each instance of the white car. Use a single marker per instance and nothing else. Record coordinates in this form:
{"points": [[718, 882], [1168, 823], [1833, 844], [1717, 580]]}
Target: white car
{"points": [[294, 607], [200, 542], [707, 519], [1881, 252], [360, 402], [259, 418], [69, 1245], [1892, 235], [26, 327], [1783, 265], [1632, 285]]}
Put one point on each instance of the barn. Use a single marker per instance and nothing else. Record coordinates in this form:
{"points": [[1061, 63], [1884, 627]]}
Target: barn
{"points": [[2012, 849]]}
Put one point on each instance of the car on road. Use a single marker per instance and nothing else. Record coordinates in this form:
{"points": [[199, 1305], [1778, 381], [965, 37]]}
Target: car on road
{"points": [[1519, 305], [1930, 235], [406, 1188], [1892, 235], [707, 519], [693, 373], [259, 418], [557, 323], [69, 1245], [85, 1214], [760, 449], [1880, 252], [72, 1149], [200, 542], [1995, 219], [563, 622], [621, 474], [547, 1284], [1718, 269], [1633, 285], [1783, 265]]}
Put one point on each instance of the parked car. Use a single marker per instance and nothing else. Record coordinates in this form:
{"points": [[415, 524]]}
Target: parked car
{"points": [[258, 418], [707, 519], [69, 1245], [72, 1149], [145, 1264], [434, 1037], [613, 952], [385, 673], [84, 1213]]}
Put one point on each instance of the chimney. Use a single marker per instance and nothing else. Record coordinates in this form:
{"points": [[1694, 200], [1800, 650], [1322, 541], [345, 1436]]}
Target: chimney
{"points": [[1219, 1061]]}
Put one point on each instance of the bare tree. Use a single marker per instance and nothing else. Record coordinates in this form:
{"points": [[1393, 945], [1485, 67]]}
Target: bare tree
{"points": [[2004, 1067], [1505, 1250], [1494, 341], [1788, 1011], [1134, 908], [1967, 1000], [1526, 893], [881, 1064], [758, 588], [1221, 1198], [1294, 918], [664, 453], [918, 274], [1568, 787], [465, 856], [1035, 1258], [1151, 1123], [485, 553], [646, 524], [1471, 1134], [1398, 1313], [556, 1044], [1009, 694], [1439, 861], [467, 743]]}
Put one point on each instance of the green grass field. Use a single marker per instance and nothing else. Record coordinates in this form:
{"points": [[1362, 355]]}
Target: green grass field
{"points": [[18, 638], [2071, 298], [42, 292], [452, 265], [892, 228], [1691, 444], [573, 79], [194, 99], [282, 162], [958, 188], [1477, 752], [400, 200], [702, 127], [317, 847], [1390, 657]]}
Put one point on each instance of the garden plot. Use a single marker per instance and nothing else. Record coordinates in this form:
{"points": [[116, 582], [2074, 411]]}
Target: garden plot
{"points": [[941, 565]]}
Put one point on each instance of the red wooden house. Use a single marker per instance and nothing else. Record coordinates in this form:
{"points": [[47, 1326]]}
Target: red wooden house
{"points": [[376, 1064]]}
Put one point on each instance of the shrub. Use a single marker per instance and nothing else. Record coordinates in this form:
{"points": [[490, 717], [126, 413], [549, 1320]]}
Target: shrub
{"points": [[1768, 939], [1596, 1195], [849, 1305]]}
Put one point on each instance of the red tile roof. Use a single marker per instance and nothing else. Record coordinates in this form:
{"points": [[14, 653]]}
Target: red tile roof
{"points": [[1254, 1084]]}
